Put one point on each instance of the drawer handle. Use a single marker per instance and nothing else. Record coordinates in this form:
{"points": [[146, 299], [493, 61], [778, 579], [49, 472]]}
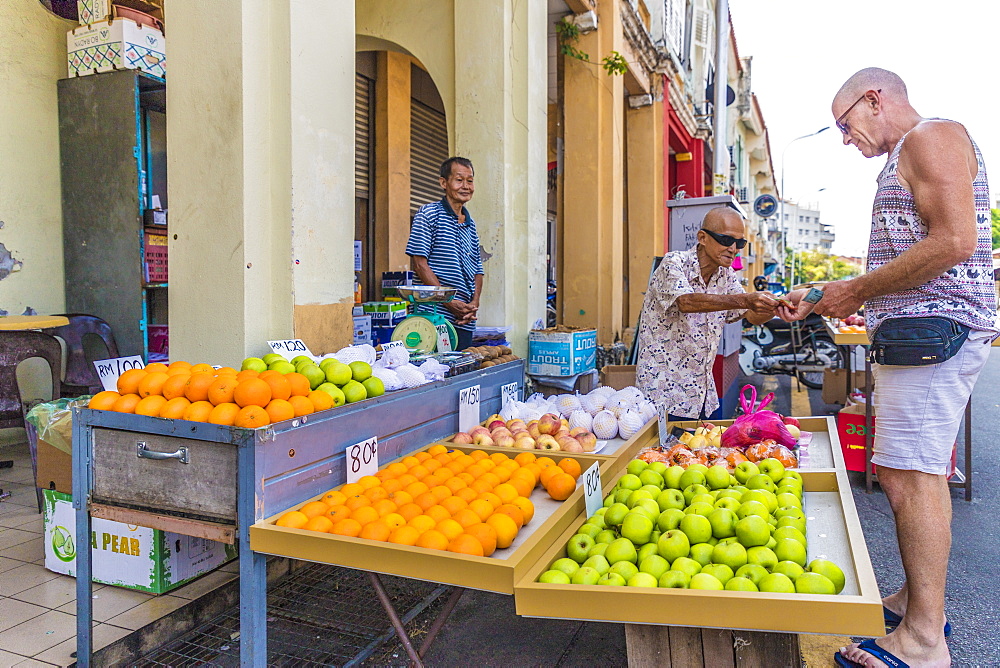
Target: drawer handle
{"points": [[144, 453]]}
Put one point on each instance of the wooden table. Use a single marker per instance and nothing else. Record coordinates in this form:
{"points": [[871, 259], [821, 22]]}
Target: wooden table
{"points": [[22, 322]]}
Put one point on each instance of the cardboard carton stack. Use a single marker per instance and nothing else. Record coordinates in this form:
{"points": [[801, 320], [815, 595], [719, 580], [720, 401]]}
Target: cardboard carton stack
{"points": [[117, 34]]}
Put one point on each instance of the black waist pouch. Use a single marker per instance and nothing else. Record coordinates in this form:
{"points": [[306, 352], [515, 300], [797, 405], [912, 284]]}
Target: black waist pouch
{"points": [[917, 341]]}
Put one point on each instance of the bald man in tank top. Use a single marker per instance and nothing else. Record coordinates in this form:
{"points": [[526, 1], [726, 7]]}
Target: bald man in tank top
{"points": [[929, 256]]}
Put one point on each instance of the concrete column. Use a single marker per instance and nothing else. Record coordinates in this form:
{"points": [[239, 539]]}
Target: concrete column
{"points": [[591, 257], [260, 129], [392, 162], [645, 200]]}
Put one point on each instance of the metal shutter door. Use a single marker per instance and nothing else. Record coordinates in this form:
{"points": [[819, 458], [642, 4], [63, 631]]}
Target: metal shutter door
{"points": [[362, 135], [428, 149]]}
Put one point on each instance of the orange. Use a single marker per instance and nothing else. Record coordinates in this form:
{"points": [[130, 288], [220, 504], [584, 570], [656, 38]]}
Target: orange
{"points": [[453, 504], [365, 515], [467, 494], [225, 371], [355, 502], [455, 484], [298, 384], [321, 401], [369, 481], [506, 492], [410, 510], [482, 508], [351, 489], [251, 417], [547, 474], [440, 492], [433, 481], [526, 474], [467, 517], [346, 527], [444, 473], [487, 464], [510, 465], [438, 513], [545, 462], [443, 458], [203, 368], [292, 519], [280, 388], [465, 460], [522, 486], [490, 479], [421, 456], [467, 477], [404, 535], [410, 461], [159, 367], [396, 468], [150, 406], [475, 470], [221, 391], [279, 410], [377, 494], [264, 375], [416, 488], [454, 467], [524, 458], [180, 364], [381, 474], [425, 500], [419, 472], [198, 411], [571, 466], [301, 405], [431, 465], [432, 540], [422, 523], [245, 374], [224, 414], [196, 387], [377, 530], [486, 535], [499, 458], [319, 523], [128, 382], [391, 485], [394, 520], [178, 371], [505, 527], [383, 507], [337, 513], [334, 498], [478, 454], [513, 512], [492, 499], [401, 497], [502, 473], [450, 528], [314, 508], [152, 383], [535, 469], [466, 544], [103, 401], [561, 486], [174, 408], [526, 507], [406, 479], [436, 450], [481, 486], [175, 386], [252, 392]]}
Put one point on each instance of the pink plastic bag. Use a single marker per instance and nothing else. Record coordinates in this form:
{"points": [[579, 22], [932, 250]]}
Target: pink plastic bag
{"points": [[756, 424]]}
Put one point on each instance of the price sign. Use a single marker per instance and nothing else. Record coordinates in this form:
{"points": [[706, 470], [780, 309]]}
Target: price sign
{"points": [[392, 344], [289, 347], [444, 341], [592, 489], [109, 370], [509, 393], [661, 422], [468, 408], [362, 459]]}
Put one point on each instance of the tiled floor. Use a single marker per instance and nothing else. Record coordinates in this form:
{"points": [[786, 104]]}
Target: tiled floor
{"points": [[38, 607]]}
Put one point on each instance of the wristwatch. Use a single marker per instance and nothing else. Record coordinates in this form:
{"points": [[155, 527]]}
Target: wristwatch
{"points": [[813, 296]]}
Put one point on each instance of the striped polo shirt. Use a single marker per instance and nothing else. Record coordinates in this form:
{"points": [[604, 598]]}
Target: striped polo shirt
{"points": [[451, 249]]}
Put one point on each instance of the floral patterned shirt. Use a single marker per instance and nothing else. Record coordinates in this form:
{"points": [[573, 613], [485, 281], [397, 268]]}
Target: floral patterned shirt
{"points": [[677, 350]]}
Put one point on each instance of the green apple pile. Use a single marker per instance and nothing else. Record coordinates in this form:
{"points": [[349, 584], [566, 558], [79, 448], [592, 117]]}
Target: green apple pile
{"points": [[699, 528], [345, 383]]}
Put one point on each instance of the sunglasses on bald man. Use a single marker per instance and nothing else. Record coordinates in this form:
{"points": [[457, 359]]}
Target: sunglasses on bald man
{"points": [[725, 239]]}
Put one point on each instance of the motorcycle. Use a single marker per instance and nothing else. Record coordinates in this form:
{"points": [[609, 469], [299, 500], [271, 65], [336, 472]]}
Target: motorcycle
{"points": [[802, 349]]}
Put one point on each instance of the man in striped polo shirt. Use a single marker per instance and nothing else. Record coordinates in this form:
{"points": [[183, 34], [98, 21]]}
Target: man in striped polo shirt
{"points": [[444, 247]]}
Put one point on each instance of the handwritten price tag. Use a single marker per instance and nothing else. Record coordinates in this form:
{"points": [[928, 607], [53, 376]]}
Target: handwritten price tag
{"points": [[508, 394], [444, 341], [661, 423], [392, 344], [468, 408], [362, 459], [289, 347], [592, 489], [109, 370]]}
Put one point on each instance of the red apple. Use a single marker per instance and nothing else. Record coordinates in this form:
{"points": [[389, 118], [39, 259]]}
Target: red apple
{"points": [[482, 438], [549, 424], [462, 437], [496, 423], [588, 441], [575, 432], [504, 440], [546, 442], [524, 443], [791, 421], [479, 429], [569, 444], [533, 430]]}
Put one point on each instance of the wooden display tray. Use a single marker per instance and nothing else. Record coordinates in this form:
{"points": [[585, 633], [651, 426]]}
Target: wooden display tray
{"points": [[833, 531], [846, 338], [496, 573]]}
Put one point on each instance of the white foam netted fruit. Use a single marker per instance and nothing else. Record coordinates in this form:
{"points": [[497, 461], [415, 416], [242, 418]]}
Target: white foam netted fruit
{"points": [[581, 418], [619, 406], [647, 409], [390, 379], [605, 425], [589, 403], [604, 390], [394, 357], [598, 399], [629, 423], [360, 353], [528, 413], [632, 393], [410, 376], [567, 403]]}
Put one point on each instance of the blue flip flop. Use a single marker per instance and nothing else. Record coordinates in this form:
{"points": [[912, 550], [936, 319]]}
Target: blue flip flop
{"points": [[892, 620], [872, 648]]}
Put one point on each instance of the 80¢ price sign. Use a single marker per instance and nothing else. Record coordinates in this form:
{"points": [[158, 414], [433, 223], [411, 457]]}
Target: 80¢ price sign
{"points": [[592, 489], [362, 459]]}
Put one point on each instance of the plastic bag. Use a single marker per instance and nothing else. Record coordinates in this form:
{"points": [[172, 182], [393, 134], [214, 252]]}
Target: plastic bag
{"points": [[433, 370], [756, 424], [53, 421]]}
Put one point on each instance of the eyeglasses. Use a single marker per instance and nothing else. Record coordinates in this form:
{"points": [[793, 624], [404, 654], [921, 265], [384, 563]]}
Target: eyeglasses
{"points": [[725, 239], [843, 125]]}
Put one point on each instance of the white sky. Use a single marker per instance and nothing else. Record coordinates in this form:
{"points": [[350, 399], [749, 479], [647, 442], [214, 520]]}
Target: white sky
{"points": [[803, 50]]}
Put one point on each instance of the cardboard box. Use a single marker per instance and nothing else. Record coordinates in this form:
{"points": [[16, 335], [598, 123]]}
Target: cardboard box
{"points": [[618, 376], [92, 11], [386, 314], [392, 279], [362, 329], [127, 556], [381, 335], [851, 430], [115, 45], [835, 385], [561, 351], [55, 468]]}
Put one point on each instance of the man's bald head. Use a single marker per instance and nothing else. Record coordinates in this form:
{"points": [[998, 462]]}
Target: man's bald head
{"points": [[724, 220], [871, 78]]}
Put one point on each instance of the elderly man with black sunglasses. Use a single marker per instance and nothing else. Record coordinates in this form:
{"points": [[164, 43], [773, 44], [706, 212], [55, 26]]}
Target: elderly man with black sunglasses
{"points": [[691, 296]]}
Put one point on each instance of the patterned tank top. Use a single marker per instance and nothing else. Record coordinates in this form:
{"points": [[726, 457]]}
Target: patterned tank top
{"points": [[965, 293]]}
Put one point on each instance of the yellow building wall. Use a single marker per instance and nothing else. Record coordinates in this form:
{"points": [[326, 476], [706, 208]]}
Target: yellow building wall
{"points": [[32, 59]]}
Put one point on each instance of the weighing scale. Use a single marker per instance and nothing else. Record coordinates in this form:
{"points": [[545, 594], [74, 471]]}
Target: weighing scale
{"points": [[423, 332]]}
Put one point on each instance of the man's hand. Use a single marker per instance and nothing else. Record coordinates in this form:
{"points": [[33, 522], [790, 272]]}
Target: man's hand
{"points": [[761, 303], [463, 312], [839, 300], [793, 307]]}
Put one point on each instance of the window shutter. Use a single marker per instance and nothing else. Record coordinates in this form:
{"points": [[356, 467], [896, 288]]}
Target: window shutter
{"points": [[428, 149], [362, 135]]}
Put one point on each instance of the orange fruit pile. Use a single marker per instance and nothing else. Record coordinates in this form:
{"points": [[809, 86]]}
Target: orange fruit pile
{"points": [[201, 393], [438, 499]]}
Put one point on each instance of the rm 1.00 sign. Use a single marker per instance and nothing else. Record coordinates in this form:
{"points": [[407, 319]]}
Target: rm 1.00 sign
{"points": [[109, 370], [362, 459]]}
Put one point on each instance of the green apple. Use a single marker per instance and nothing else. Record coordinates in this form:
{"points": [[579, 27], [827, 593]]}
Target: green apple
{"points": [[612, 580], [621, 495], [733, 555], [700, 508], [717, 477], [752, 508], [647, 550], [789, 569], [360, 371], [589, 529], [578, 546], [791, 474], [698, 467], [327, 361], [655, 536], [314, 375], [638, 495], [829, 570], [692, 491], [762, 496], [636, 466], [566, 565], [621, 549], [641, 579], [740, 584], [598, 521], [626, 569], [702, 553], [771, 542], [598, 563], [609, 500], [713, 541], [670, 498], [727, 502], [648, 508], [254, 364], [725, 541], [630, 481], [723, 522], [703, 498], [772, 468], [752, 530], [374, 387], [672, 477], [674, 580], [797, 522], [705, 581], [814, 583], [598, 550], [554, 577], [653, 490], [281, 367], [585, 576], [606, 536], [615, 514], [752, 572], [744, 471], [655, 565], [777, 583], [697, 528], [791, 550], [789, 511], [692, 477], [686, 565], [659, 467], [789, 532], [354, 392], [673, 544], [653, 478], [338, 395], [761, 481], [762, 556], [271, 358], [301, 358], [669, 519], [600, 511], [637, 527], [729, 493], [786, 499], [784, 488]]}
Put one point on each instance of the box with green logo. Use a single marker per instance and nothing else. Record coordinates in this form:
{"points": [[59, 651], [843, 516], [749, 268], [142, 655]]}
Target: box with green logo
{"points": [[385, 314], [126, 555]]}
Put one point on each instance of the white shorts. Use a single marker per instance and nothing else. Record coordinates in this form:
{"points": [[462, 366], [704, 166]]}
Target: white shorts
{"points": [[919, 408]]}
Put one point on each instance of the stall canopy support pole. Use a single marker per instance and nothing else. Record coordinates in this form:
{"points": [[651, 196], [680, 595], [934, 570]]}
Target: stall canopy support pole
{"points": [[82, 436], [869, 428], [442, 617], [397, 624], [253, 566]]}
